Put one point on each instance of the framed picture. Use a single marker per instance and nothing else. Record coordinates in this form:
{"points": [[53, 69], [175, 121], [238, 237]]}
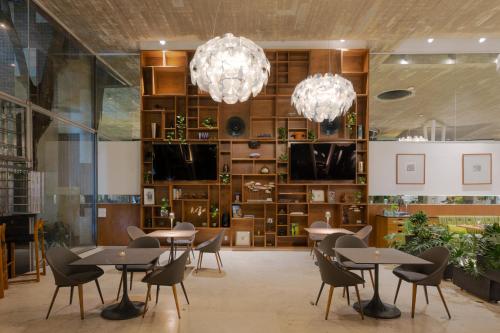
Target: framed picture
{"points": [[476, 169], [237, 211], [242, 238], [317, 196], [149, 196], [410, 169]]}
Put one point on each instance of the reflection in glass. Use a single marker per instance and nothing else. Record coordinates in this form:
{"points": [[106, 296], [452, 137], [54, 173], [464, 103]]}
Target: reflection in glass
{"points": [[65, 155]]}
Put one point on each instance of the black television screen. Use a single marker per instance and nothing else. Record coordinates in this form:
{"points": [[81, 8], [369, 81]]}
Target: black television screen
{"points": [[323, 161], [185, 162]]}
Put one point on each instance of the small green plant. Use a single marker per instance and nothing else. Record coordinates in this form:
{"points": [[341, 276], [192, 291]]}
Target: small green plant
{"points": [[311, 136], [214, 211], [282, 177], [181, 126], [283, 157], [282, 135], [209, 122], [170, 136], [362, 180], [358, 196], [225, 178], [351, 119], [165, 207]]}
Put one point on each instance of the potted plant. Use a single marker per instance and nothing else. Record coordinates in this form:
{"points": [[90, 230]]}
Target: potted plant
{"points": [[311, 136], [350, 123], [282, 134], [209, 122], [214, 212], [165, 207], [225, 178]]}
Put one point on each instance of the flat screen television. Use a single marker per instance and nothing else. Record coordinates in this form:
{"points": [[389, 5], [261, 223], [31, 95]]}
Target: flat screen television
{"points": [[185, 162], [323, 161]]}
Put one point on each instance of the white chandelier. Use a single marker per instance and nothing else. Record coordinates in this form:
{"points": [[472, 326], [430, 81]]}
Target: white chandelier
{"points": [[230, 68], [321, 97]]}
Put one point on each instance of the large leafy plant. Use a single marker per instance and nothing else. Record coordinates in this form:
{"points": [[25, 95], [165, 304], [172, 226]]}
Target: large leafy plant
{"points": [[488, 247]]}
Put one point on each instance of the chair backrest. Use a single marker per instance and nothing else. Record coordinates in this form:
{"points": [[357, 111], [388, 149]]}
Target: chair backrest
{"points": [[439, 257], [215, 243], [185, 226], [333, 274], [59, 259], [170, 274], [348, 241], [134, 232], [364, 233], [319, 224], [144, 242], [327, 245]]}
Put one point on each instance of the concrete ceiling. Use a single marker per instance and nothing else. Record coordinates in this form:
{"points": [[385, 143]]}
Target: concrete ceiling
{"points": [[123, 25]]}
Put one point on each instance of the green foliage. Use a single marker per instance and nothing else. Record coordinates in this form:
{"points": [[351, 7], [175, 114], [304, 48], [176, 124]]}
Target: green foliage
{"points": [[57, 234], [181, 126], [214, 211], [311, 136], [209, 122], [282, 135], [170, 136], [489, 248], [225, 178], [351, 119], [283, 157]]}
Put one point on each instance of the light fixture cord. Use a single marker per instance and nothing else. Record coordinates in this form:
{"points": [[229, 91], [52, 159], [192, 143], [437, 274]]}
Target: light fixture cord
{"points": [[216, 16]]}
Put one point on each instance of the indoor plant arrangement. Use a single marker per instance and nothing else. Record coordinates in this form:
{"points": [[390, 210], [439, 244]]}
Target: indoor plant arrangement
{"points": [[350, 122], [214, 212], [282, 134]]}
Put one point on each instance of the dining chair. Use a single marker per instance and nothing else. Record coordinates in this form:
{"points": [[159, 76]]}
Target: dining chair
{"points": [[327, 247], [364, 234], [134, 232], [183, 242], [169, 275], [145, 242], [424, 275], [315, 239], [333, 274], [65, 275], [351, 241], [212, 245]]}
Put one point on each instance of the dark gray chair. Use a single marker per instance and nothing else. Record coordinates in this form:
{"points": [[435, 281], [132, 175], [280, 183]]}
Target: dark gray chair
{"points": [[211, 246], [168, 275], [351, 241], [364, 234], [65, 275], [134, 232], [333, 274], [145, 242], [424, 275], [183, 242], [315, 239], [327, 246]]}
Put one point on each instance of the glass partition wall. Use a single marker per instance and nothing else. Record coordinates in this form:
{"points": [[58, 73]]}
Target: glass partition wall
{"points": [[63, 97]]}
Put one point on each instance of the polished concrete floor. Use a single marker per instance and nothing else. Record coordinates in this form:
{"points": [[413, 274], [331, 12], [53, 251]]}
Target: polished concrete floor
{"points": [[259, 291]]}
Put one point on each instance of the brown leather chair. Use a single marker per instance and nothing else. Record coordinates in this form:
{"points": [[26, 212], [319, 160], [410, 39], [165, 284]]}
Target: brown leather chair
{"points": [[424, 275]]}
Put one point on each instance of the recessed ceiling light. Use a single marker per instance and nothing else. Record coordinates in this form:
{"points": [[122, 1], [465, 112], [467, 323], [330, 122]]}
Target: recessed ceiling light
{"points": [[12, 65], [3, 25], [342, 40], [163, 42], [430, 40], [403, 62], [420, 115], [482, 39]]}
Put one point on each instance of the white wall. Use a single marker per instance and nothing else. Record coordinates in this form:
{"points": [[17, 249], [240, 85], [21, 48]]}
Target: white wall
{"points": [[119, 167], [443, 168]]}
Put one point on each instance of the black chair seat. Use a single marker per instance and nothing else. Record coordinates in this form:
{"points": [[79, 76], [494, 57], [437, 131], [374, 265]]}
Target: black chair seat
{"points": [[84, 277], [136, 268], [408, 276], [351, 265]]}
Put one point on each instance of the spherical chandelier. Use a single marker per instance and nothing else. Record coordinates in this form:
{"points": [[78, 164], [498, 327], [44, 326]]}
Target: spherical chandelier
{"points": [[230, 68], [321, 97]]}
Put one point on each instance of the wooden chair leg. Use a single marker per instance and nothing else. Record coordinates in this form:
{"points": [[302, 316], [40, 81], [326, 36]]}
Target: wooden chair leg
{"points": [[426, 296], [330, 295], [220, 259], [444, 302], [44, 258], [176, 301], [71, 295], [99, 290], [397, 291], [371, 278], [359, 302], [148, 296], [131, 279], [157, 292], [185, 293], [347, 293], [319, 294], [37, 256], [80, 297], [119, 288], [52, 302], [413, 299], [218, 265], [363, 277], [12, 260]]}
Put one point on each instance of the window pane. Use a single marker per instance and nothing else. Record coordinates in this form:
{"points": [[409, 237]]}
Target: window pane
{"points": [[13, 46], [62, 71], [65, 156]]}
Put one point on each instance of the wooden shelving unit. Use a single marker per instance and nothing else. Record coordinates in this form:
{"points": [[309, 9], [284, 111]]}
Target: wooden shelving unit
{"points": [[167, 93]]}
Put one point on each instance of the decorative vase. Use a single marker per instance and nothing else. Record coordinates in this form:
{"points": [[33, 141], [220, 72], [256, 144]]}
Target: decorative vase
{"points": [[153, 130], [225, 220]]}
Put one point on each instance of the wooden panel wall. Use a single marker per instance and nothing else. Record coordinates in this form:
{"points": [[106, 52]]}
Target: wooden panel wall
{"points": [[112, 229], [435, 210]]}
